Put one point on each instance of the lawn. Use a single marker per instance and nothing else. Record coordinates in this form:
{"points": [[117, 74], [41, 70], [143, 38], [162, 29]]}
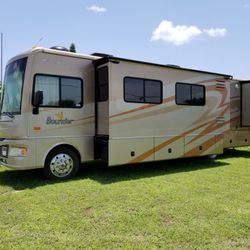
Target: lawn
{"points": [[182, 204]]}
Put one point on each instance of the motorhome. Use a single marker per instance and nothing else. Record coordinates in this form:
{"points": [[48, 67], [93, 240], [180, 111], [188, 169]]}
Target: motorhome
{"points": [[61, 109]]}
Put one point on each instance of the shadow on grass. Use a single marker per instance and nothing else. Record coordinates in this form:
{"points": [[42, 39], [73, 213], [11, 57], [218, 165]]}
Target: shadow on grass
{"points": [[240, 152], [29, 179], [148, 170]]}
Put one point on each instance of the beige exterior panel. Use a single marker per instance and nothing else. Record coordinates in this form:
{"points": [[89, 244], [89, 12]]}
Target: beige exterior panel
{"points": [[172, 150], [83, 145], [21, 162]]}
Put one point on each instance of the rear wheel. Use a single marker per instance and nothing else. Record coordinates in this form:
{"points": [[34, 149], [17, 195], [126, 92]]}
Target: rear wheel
{"points": [[61, 164]]}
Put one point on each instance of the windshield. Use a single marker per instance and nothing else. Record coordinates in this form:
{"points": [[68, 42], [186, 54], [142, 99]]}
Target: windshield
{"points": [[12, 88]]}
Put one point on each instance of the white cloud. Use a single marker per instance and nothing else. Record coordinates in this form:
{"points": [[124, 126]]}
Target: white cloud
{"points": [[176, 35], [217, 32], [97, 9], [181, 34]]}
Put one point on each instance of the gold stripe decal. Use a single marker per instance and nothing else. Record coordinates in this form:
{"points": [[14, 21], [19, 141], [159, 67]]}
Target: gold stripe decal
{"points": [[206, 144], [148, 153], [169, 99]]}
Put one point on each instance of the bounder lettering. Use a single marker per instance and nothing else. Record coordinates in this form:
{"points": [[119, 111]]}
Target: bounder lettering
{"points": [[58, 120], [51, 121]]}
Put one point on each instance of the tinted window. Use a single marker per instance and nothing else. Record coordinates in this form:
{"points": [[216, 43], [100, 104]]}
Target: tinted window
{"points": [[13, 85], [198, 95], [134, 90], [142, 90], [153, 91], [71, 92], [102, 84], [183, 93], [59, 91], [189, 94]]}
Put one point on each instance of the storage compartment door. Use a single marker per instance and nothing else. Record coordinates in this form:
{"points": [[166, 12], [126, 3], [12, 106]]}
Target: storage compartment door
{"points": [[245, 104]]}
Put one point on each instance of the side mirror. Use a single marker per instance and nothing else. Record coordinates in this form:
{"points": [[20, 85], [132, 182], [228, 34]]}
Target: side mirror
{"points": [[38, 100]]}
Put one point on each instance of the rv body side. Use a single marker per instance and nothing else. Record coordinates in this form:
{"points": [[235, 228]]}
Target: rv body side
{"points": [[140, 132], [117, 110]]}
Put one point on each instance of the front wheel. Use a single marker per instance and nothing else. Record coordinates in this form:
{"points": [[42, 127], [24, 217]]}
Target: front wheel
{"points": [[61, 164]]}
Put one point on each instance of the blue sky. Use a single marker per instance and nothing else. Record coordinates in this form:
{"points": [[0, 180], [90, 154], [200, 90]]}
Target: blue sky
{"points": [[210, 35]]}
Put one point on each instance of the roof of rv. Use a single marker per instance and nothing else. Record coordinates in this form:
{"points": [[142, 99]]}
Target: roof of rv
{"points": [[110, 58], [55, 52], [101, 58], [65, 53]]}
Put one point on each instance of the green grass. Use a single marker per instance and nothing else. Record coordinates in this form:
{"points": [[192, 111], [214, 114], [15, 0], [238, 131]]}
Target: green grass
{"points": [[183, 204]]}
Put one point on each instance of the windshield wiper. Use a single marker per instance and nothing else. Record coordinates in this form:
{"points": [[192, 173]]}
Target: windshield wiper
{"points": [[9, 114]]}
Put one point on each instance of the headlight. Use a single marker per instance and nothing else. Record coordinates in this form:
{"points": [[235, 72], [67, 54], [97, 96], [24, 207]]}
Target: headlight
{"points": [[18, 151]]}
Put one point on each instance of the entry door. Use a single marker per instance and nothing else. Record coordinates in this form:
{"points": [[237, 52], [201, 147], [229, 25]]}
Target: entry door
{"points": [[245, 104]]}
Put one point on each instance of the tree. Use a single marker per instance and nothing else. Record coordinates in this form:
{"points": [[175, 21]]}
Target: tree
{"points": [[72, 48]]}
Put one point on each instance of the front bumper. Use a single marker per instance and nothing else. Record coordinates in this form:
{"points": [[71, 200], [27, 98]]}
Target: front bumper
{"points": [[18, 162]]}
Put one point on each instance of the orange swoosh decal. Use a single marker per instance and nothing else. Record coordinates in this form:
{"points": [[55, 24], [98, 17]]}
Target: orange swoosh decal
{"points": [[171, 98], [164, 144]]}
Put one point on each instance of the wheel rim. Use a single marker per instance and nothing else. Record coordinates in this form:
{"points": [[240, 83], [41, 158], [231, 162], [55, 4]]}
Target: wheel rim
{"points": [[61, 165]]}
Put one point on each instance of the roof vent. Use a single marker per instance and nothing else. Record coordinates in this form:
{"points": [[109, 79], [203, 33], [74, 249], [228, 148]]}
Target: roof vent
{"points": [[173, 66], [101, 54], [59, 48]]}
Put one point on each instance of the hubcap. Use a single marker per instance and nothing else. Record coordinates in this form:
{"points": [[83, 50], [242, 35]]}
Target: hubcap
{"points": [[61, 165]]}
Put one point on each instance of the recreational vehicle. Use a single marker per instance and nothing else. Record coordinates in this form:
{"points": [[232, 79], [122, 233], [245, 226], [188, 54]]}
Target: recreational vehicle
{"points": [[60, 109]]}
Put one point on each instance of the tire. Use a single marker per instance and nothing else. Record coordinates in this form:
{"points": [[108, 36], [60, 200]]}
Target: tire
{"points": [[61, 164]]}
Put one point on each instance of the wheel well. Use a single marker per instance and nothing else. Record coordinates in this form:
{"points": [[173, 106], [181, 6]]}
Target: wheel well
{"points": [[65, 146]]}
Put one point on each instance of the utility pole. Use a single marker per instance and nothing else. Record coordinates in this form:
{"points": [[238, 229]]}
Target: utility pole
{"points": [[1, 58]]}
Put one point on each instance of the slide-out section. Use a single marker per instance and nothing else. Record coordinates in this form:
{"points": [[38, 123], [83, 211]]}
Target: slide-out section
{"points": [[245, 104]]}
